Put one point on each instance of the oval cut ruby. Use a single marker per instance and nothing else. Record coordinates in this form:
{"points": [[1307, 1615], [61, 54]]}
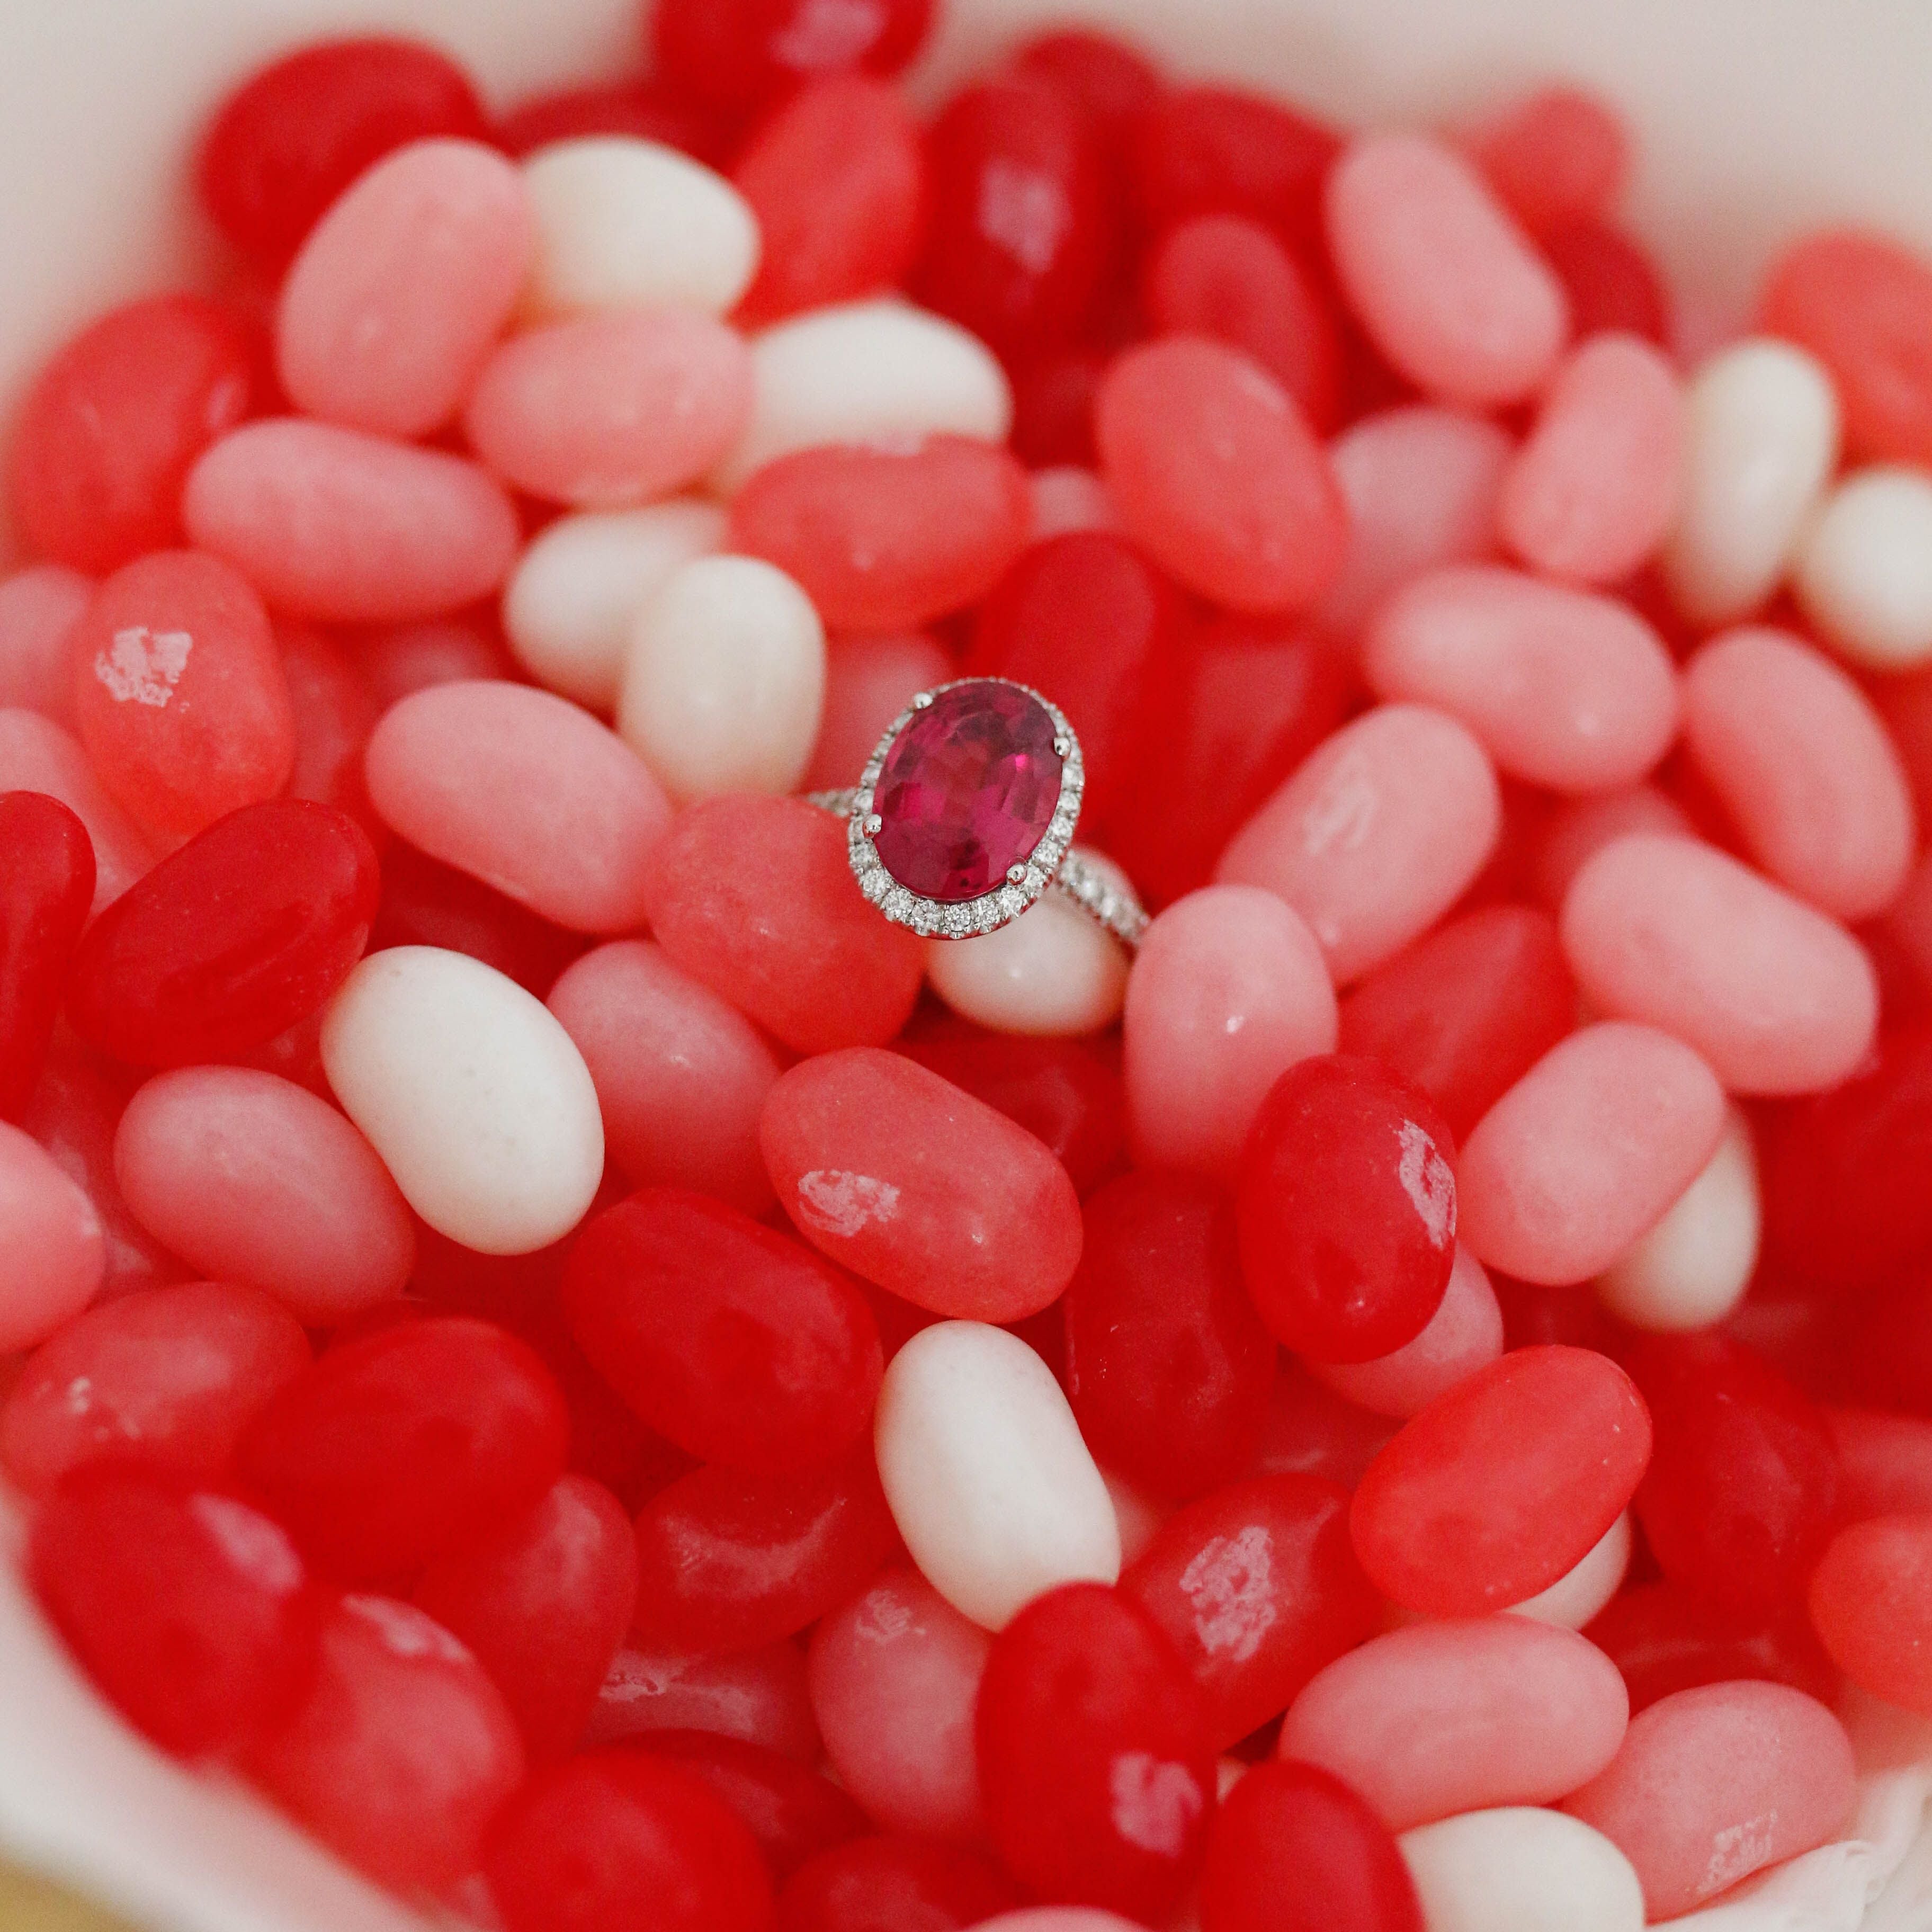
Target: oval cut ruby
{"points": [[967, 789]]}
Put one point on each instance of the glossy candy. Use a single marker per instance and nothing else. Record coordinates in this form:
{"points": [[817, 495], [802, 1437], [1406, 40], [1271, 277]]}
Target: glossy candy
{"points": [[1871, 1600], [1557, 155], [758, 1695], [1612, 283], [1664, 1639], [37, 754], [46, 889], [741, 53], [880, 1885], [1860, 572], [1465, 1332], [1523, 1867]]}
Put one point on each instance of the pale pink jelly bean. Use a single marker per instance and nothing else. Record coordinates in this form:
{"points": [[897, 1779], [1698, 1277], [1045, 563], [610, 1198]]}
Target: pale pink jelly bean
{"points": [[894, 1676], [613, 409], [1578, 829], [1715, 1784], [1460, 1716], [1447, 286], [38, 606], [1376, 836], [396, 296], [1586, 1153], [1567, 690], [1228, 991], [681, 1076], [1466, 1331], [53, 1258], [346, 527], [869, 682], [527, 793], [1593, 492], [1776, 996], [37, 754], [250, 1178], [1810, 775]]}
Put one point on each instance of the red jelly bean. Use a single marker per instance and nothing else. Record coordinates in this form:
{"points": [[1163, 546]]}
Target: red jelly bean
{"points": [[737, 54], [1169, 1368], [614, 1840], [47, 890], [1053, 408], [1258, 1588], [1888, 1347], [293, 136], [1347, 1209], [1556, 156], [106, 435], [335, 708], [893, 1885], [738, 1344], [1094, 1759], [1502, 1485], [229, 941], [1612, 284], [1114, 82], [1885, 1463], [417, 1441], [189, 1608], [1664, 1639], [1871, 1600], [1295, 1850], [758, 1695]]}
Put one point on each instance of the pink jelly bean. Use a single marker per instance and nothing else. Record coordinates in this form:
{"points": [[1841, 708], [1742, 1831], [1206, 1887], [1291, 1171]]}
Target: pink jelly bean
{"points": [[759, 1696], [38, 607], [1465, 1332], [1568, 691], [1586, 1152], [1462, 1716], [393, 302], [1807, 769], [1217, 475], [1450, 289], [1715, 1784], [869, 682], [1592, 493], [54, 1258], [338, 525], [911, 1182], [36, 755], [1580, 828], [1776, 996], [527, 792], [1376, 836], [612, 409], [894, 1677], [1228, 991], [681, 1076], [250, 1178]]}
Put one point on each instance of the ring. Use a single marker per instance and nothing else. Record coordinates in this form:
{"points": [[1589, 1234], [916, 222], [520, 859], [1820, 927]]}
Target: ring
{"points": [[965, 815]]}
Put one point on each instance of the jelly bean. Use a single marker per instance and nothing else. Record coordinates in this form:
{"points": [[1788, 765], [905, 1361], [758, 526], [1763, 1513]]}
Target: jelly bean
{"points": [[624, 224], [47, 888], [992, 1488], [1066, 497], [758, 1695], [743, 52], [1257, 1588], [1448, 287], [1113, 80], [334, 709], [869, 682], [881, 537], [113, 423], [1860, 573], [1579, 1595], [1871, 1600], [1058, 1918], [727, 1561], [1885, 1463], [388, 310], [56, 1257], [402, 1751], [1587, 1152], [1581, 827], [1376, 835], [874, 1883], [1887, 1353], [724, 680], [37, 754], [1465, 1333], [1502, 1484], [1053, 971], [249, 1178], [1556, 156], [1715, 1784], [188, 1607], [1612, 284], [894, 1674], [1664, 1639], [400, 658], [1777, 997], [1760, 443], [905, 1179], [753, 898], [165, 1376], [39, 607], [344, 527], [1312, 1431], [1528, 1870], [1218, 476], [570, 602], [1462, 1716], [643, 108]]}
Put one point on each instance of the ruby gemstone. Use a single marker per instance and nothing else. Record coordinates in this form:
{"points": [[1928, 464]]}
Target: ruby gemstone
{"points": [[967, 789]]}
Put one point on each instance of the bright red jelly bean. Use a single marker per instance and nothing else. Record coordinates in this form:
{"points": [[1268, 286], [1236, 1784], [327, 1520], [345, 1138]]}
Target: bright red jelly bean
{"points": [[47, 890], [229, 940], [1612, 284], [1094, 1759], [1115, 83], [739, 1346], [418, 1441], [1347, 1209], [733, 54], [1169, 1368], [893, 1885], [190, 1609], [293, 136], [335, 709], [107, 433], [1871, 1602]]}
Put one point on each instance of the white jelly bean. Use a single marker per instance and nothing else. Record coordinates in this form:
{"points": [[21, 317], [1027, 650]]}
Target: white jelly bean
{"points": [[570, 605], [988, 1479], [1578, 1593], [1864, 573], [622, 222], [480, 1105], [1761, 438], [724, 680], [1054, 970], [864, 372], [1521, 1869]]}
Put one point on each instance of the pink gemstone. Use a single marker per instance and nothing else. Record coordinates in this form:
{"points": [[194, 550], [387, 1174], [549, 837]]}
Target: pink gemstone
{"points": [[968, 789]]}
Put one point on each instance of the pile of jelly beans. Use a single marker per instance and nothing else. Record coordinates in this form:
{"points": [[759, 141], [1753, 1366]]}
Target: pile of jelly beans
{"points": [[618, 1387]]}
